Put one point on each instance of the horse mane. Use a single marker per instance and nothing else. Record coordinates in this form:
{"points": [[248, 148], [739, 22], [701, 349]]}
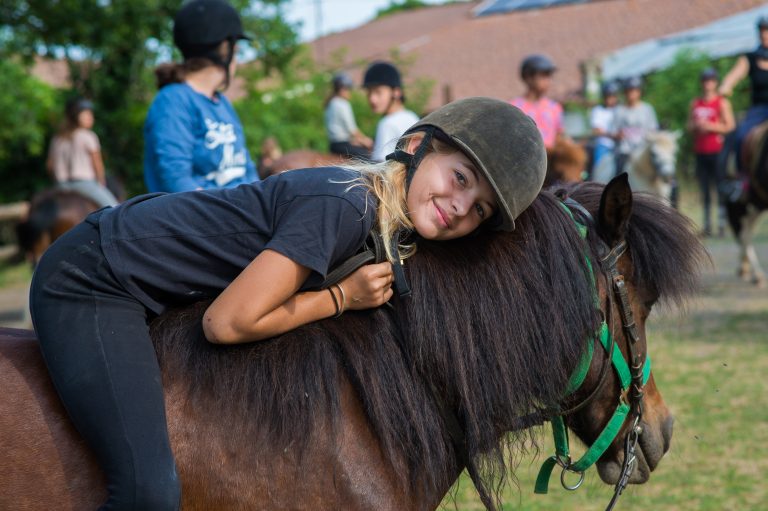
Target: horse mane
{"points": [[496, 324]]}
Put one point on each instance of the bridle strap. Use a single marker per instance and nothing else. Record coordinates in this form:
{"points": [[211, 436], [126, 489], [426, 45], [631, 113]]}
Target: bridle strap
{"points": [[373, 252], [632, 378]]}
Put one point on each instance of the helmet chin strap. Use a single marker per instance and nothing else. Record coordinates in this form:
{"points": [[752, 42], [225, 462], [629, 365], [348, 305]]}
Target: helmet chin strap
{"points": [[411, 162], [214, 56]]}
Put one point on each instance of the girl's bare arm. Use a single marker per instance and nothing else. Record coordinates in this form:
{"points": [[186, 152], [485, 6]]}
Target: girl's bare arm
{"points": [[263, 301]]}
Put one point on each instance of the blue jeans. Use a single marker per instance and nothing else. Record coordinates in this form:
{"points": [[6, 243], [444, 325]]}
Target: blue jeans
{"points": [[599, 151], [91, 189]]}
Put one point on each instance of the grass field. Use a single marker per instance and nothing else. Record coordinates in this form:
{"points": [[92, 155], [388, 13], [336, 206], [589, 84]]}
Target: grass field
{"points": [[710, 363]]}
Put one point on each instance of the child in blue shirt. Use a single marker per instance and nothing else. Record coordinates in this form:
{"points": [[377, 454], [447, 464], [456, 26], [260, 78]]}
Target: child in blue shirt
{"points": [[193, 138]]}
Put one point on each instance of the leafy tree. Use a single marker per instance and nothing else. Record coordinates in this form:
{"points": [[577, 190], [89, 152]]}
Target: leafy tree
{"points": [[112, 46], [403, 5], [29, 108], [292, 109]]}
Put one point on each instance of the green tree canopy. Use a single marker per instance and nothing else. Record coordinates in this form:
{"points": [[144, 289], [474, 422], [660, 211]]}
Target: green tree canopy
{"points": [[112, 47]]}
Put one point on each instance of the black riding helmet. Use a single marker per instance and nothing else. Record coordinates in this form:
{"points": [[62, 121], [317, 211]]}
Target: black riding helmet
{"points": [[501, 141], [633, 82], [342, 80], [610, 88], [382, 73], [534, 64], [200, 27], [762, 23], [76, 105], [709, 73]]}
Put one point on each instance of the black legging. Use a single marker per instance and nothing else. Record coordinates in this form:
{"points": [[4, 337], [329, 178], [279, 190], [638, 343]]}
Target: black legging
{"points": [[709, 177], [95, 341]]}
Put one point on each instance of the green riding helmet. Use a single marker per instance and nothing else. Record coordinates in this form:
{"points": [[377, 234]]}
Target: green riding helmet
{"points": [[502, 142]]}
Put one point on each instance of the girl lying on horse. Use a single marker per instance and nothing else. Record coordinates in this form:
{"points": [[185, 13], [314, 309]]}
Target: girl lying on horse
{"points": [[261, 250]]}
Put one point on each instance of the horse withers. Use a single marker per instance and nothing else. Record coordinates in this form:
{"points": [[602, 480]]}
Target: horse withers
{"points": [[382, 409]]}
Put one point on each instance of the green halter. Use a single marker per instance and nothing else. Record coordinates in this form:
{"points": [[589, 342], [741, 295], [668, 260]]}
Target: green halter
{"points": [[562, 455]]}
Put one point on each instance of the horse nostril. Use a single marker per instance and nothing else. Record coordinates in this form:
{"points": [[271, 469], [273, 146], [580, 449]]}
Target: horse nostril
{"points": [[666, 431]]}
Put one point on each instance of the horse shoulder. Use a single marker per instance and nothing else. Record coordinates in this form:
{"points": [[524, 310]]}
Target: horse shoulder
{"points": [[342, 467]]}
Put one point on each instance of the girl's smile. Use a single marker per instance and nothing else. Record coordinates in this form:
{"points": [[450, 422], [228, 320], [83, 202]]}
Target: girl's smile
{"points": [[448, 197]]}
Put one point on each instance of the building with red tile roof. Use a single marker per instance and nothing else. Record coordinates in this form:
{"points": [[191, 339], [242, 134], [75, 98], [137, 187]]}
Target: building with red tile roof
{"points": [[469, 55]]}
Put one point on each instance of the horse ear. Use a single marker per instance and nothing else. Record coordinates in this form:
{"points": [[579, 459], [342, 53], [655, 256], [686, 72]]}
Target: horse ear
{"points": [[615, 209]]}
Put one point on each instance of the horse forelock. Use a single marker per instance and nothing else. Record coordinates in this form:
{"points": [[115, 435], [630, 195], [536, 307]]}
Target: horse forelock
{"points": [[667, 255], [496, 324]]}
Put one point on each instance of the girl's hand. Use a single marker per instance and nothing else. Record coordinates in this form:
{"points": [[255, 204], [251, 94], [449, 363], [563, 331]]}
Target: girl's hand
{"points": [[368, 287]]}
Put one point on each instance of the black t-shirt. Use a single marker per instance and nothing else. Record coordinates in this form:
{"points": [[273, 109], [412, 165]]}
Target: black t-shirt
{"points": [[759, 80], [172, 249]]}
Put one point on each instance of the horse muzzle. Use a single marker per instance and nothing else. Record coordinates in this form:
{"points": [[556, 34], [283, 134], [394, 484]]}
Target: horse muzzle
{"points": [[654, 442]]}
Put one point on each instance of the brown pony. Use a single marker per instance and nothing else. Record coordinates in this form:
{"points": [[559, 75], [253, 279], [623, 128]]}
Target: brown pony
{"points": [[346, 413], [744, 213], [51, 213], [566, 162]]}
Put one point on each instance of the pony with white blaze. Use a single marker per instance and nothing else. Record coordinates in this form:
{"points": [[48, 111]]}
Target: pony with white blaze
{"points": [[651, 167]]}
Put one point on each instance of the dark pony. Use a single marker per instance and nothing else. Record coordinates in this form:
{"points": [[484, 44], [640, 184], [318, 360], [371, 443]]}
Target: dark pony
{"points": [[52, 212], [746, 210], [480, 306]]}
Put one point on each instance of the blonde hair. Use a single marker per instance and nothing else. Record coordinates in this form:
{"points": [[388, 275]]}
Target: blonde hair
{"points": [[386, 182]]}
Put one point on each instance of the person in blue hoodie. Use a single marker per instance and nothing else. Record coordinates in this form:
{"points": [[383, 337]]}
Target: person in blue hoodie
{"points": [[193, 138]]}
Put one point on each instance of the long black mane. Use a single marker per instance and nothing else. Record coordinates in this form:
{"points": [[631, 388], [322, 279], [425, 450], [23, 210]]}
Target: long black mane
{"points": [[496, 324]]}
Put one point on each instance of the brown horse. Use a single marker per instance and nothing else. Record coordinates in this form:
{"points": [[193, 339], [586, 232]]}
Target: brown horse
{"points": [[744, 213], [352, 413], [566, 162], [51, 213]]}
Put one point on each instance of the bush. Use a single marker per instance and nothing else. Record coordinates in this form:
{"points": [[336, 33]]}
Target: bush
{"points": [[30, 109], [292, 109]]}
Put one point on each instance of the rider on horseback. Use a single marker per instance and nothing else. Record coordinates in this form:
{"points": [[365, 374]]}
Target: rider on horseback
{"points": [[74, 158], [633, 121], [261, 251], [755, 66], [601, 119]]}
